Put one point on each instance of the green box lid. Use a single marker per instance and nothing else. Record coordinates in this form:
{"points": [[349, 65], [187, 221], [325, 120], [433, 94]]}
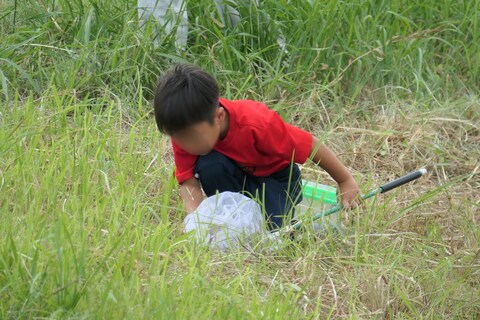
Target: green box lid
{"points": [[319, 192]]}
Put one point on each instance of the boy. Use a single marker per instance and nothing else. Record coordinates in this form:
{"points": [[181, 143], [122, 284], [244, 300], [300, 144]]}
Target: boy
{"points": [[240, 146]]}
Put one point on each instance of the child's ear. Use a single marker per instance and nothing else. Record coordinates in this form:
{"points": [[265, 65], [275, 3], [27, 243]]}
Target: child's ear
{"points": [[220, 113]]}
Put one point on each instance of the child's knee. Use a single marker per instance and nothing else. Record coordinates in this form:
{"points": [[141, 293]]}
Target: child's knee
{"points": [[217, 173], [210, 171], [213, 164]]}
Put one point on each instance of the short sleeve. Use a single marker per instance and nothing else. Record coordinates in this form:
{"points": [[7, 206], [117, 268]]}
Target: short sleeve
{"points": [[184, 163], [284, 140]]}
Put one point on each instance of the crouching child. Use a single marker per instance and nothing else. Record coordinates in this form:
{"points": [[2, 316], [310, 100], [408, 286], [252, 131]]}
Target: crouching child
{"points": [[240, 146]]}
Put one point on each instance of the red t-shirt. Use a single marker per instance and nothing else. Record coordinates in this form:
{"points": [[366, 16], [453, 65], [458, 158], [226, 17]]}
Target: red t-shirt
{"points": [[258, 140]]}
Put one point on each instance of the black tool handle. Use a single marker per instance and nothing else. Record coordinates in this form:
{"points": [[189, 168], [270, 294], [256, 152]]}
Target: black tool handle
{"points": [[401, 181]]}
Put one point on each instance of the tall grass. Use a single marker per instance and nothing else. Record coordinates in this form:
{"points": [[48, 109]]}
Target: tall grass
{"points": [[414, 49], [90, 223]]}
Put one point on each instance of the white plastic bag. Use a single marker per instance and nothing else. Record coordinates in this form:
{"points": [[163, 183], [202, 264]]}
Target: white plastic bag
{"points": [[225, 219]]}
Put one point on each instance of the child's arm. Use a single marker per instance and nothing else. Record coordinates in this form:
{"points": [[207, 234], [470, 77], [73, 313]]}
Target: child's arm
{"points": [[191, 194], [327, 160]]}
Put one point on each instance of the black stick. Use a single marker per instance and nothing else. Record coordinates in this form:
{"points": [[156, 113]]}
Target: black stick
{"points": [[401, 181]]}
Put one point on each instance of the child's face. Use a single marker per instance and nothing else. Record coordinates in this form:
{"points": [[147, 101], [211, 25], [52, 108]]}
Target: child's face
{"points": [[198, 139]]}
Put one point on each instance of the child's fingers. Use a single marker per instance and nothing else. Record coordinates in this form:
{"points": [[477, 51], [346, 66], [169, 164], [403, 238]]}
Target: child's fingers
{"points": [[352, 203]]}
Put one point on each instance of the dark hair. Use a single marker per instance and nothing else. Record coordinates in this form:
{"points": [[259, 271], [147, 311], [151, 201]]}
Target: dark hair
{"points": [[185, 95]]}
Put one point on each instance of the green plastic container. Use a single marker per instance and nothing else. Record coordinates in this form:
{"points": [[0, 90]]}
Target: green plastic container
{"points": [[318, 192]]}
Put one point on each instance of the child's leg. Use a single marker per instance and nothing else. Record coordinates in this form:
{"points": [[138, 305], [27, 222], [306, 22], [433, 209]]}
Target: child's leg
{"points": [[279, 193], [216, 172]]}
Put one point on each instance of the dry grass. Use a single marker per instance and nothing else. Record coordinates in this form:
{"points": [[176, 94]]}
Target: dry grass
{"points": [[386, 266], [413, 252]]}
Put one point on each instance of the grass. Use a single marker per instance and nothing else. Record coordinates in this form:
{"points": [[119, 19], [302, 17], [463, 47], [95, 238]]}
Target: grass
{"points": [[90, 215]]}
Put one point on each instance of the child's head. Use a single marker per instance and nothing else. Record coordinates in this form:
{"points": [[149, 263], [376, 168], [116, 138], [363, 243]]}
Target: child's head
{"points": [[187, 109]]}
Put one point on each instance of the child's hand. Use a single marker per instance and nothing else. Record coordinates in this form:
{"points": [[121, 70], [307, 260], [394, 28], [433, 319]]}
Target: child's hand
{"points": [[350, 194]]}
